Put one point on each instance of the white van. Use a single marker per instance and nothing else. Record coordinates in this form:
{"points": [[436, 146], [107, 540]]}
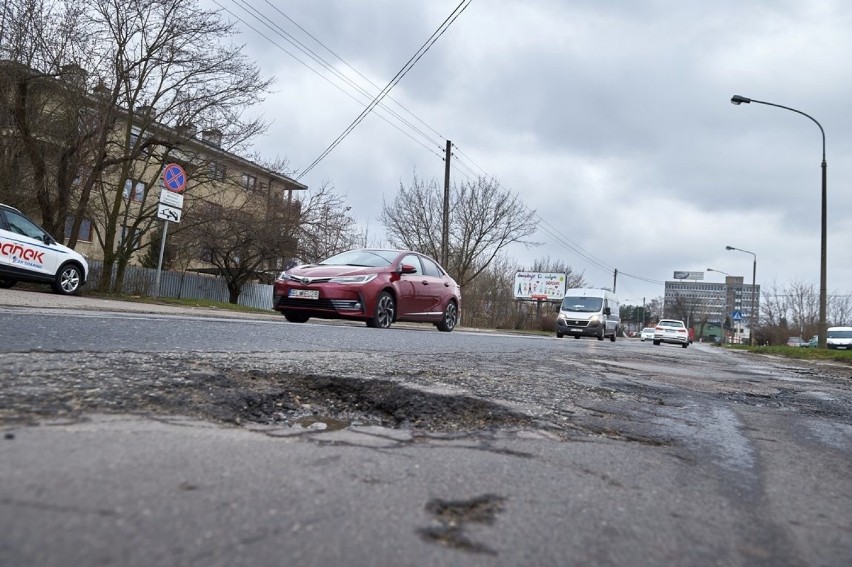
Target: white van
{"points": [[588, 313], [839, 338]]}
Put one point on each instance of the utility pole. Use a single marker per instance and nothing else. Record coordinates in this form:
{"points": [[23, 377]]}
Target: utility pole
{"points": [[445, 232], [614, 278]]}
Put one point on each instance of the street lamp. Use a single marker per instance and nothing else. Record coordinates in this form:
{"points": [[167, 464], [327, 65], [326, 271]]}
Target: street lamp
{"points": [[737, 99], [725, 308], [753, 292]]}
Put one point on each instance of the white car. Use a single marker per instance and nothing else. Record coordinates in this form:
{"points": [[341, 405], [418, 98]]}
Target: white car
{"points": [[29, 254], [647, 334], [671, 331]]}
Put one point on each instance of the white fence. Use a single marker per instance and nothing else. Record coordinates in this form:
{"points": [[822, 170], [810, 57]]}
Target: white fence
{"points": [[184, 285]]}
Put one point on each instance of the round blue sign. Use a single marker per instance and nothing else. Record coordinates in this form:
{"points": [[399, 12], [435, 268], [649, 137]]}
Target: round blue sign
{"points": [[174, 178]]}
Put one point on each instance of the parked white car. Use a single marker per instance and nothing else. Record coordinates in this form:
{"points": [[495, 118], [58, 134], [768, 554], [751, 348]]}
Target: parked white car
{"points": [[671, 331], [29, 254], [647, 334]]}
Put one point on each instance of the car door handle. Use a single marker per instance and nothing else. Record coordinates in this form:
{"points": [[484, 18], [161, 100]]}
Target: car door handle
{"points": [[424, 282]]}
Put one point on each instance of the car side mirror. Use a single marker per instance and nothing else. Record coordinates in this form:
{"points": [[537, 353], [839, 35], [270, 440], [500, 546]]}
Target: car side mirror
{"points": [[607, 311], [407, 269], [48, 240]]}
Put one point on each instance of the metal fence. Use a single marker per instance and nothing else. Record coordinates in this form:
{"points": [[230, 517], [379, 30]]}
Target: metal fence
{"points": [[184, 285]]}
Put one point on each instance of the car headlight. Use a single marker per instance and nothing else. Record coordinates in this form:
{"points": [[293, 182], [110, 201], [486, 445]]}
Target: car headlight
{"points": [[595, 319], [353, 279]]}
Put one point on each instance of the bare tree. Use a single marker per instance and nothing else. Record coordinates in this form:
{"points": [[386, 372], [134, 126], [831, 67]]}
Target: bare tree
{"points": [[484, 220], [325, 227], [157, 69], [840, 309], [238, 242]]}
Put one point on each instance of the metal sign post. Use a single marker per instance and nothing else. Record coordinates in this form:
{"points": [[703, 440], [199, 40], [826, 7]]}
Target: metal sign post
{"points": [[169, 208], [160, 261]]}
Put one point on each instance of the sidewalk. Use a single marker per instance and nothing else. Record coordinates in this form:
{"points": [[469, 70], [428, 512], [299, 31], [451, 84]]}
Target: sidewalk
{"points": [[44, 298]]}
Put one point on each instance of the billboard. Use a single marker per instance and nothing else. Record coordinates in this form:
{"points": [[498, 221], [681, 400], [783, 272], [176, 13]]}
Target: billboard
{"points": [[539, 286], [689, 275]]}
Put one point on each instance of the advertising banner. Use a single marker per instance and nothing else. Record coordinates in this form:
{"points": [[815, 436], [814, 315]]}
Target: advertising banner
{"points": [[539, 286]]}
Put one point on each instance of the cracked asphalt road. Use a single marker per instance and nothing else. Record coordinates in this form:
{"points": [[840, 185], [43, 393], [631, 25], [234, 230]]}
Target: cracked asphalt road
{"points": [[323, 444]]}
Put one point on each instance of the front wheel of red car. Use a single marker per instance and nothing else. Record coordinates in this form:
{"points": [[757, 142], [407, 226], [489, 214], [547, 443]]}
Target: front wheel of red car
{"points": [[385, 309], [450, 318], [296, 317]]}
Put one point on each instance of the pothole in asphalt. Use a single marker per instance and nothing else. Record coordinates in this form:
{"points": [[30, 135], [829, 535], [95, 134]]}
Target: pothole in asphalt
{"points": [[330, 403]]}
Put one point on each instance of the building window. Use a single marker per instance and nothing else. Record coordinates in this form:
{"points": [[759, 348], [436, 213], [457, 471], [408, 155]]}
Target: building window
{"points": [[134, 190], [217, 171], [85, 234], [249, 182]]}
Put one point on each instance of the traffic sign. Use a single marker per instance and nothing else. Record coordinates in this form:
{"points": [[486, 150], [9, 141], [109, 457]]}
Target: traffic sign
{"points": [[168, 213], [171, 198], [737, 315], [174, 177]]}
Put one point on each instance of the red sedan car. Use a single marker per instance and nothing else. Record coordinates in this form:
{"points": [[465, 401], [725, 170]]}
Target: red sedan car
{"points": [[372, 285]]}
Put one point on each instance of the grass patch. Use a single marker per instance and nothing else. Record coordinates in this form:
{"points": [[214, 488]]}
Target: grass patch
{"points": [[206, 303], [801, 353]]}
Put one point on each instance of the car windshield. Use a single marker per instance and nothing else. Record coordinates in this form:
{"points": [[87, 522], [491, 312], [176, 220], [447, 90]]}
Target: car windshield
{"points": [[677, 324], [365, 258], [840, 334], [582, 304], [647, 330]]}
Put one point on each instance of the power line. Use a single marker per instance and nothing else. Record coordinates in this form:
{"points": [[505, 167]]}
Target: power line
{"points": [[433, 149], [402, 72], [374, 85]]}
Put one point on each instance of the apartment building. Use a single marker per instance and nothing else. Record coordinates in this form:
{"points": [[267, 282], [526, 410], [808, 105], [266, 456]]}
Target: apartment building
{"points": [[708, 302]]}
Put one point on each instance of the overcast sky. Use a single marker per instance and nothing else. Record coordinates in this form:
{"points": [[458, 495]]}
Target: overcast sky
{"points": [[612, 119]]}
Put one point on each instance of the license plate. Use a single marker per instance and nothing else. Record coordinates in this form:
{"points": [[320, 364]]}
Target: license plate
{"points": [[304, 293], [575, 330]]}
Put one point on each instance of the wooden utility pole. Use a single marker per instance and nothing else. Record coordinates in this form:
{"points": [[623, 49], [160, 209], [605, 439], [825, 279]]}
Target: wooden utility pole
{"points": [[614, 279], [445, 232]]}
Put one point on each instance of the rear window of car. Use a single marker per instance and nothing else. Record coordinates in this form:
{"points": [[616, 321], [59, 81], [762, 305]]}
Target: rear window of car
{"points": [[671, 324]]}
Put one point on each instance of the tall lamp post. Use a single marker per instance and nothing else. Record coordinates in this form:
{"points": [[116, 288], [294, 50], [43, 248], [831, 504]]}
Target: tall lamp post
{"points": [[753, 293], [725, 308], [737, 99]]}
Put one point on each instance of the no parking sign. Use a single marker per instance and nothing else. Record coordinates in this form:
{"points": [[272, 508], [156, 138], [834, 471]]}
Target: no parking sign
{"points": [[174, 177]]}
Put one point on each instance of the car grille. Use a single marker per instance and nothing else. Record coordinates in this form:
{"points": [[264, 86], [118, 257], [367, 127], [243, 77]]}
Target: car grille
{"points": [[320, 304], [576, 323]]}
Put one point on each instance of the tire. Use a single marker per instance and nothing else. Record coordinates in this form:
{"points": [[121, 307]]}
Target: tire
{"points": [[684, 345], [614, 332], [296, 317], [69, 280], [656, 343], [601, 336], [559, 335], [6, 284], [385, 312], [449, 318], [576, 336]]}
